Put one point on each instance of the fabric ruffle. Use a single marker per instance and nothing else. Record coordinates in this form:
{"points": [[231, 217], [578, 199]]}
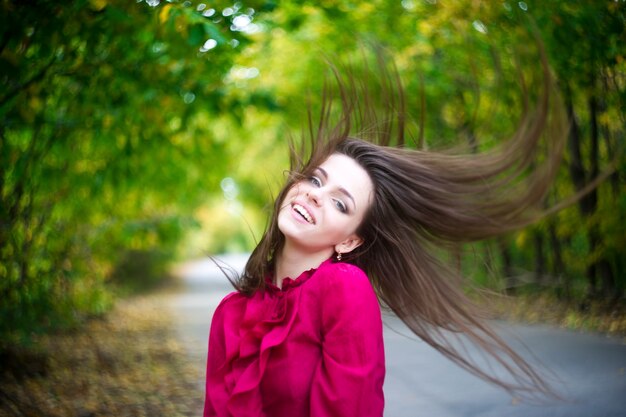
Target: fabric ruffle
{"points": [[267, 320]]}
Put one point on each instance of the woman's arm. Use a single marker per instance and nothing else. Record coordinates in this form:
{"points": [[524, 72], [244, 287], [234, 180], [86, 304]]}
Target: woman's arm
{"points": [[349, 378]]}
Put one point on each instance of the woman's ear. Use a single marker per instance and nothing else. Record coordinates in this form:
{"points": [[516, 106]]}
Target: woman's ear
{"points": [[349, 244]]}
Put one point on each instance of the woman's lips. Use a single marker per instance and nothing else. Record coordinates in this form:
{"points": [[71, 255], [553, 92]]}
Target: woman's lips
{"points": [[302, 213]]}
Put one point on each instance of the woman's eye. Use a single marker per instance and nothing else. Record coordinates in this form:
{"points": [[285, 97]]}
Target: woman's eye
{"points": [[315, 181], [341, 206]]}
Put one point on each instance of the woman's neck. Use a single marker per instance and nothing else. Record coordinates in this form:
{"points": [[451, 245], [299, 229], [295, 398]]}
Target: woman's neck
{"points": [[293, 261]]}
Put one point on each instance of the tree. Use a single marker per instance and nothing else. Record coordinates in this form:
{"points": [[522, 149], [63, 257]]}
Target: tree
{"points": [[104, 143]]}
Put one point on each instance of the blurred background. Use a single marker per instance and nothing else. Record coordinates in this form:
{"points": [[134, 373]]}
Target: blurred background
{"points": [[135, 134]]}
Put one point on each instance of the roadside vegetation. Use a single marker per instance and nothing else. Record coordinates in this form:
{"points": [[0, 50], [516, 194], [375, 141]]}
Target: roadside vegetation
{"points": [[537, 308], [126, 364]]}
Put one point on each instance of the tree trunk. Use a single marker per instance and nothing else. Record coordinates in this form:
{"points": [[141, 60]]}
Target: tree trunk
{"points": [[540, 260], [589, 203], [558, 267], [505, 253]]}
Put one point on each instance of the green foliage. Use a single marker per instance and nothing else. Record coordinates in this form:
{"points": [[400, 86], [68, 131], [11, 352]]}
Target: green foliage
{"points": [[106, 146], [122, 125], [140, 270]]}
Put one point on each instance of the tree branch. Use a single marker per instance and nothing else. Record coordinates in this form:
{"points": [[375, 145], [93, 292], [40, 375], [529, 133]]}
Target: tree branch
{"points": [[37, 77]]}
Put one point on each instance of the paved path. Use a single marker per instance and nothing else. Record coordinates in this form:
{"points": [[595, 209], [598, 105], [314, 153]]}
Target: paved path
{"points": [[420, 382]]}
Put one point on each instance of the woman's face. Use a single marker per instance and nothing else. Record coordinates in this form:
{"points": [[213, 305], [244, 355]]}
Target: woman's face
{"points": [[323, 212]]}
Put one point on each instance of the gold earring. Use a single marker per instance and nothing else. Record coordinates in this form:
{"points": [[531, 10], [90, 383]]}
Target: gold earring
{"points": [[338, 256]]}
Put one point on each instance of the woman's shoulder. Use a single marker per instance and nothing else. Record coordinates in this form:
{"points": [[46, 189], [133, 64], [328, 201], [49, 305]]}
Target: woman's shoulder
{"points": [[346, 293], [231, 301], [343, 276], [342, 270]]}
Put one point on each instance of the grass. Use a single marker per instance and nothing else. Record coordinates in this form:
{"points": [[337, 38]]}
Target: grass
{"points": [[546, 308]]}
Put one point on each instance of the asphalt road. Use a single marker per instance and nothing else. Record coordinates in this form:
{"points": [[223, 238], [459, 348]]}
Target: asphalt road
{"points": [[590, 370]]}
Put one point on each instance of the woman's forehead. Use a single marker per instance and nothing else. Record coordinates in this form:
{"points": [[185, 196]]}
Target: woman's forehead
{"points": [[346, 172]]}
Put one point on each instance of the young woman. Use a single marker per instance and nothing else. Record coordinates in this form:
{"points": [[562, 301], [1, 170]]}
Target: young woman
{"points": [[361, 223]]}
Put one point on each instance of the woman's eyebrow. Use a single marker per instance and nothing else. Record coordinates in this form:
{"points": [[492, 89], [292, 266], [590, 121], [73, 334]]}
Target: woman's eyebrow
{"points": [[341, 189]]}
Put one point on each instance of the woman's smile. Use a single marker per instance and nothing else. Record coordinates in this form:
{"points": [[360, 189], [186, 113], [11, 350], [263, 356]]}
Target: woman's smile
{"points": [[301, 212]]}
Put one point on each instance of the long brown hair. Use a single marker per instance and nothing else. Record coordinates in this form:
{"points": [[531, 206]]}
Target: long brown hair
{"points": [[425, 203]]}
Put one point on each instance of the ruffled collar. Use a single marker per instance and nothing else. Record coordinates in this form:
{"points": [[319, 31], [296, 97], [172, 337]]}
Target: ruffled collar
{"points": [[255, 326], [289, 283]]}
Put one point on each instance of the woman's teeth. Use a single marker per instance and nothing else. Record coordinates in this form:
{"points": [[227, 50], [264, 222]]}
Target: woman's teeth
{"points": [[303, 213]]}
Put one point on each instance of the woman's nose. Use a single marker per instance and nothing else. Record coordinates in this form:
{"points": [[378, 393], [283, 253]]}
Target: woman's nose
{"points": [[315, 196]]}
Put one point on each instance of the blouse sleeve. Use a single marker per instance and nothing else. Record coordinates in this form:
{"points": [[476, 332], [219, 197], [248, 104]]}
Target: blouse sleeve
{"points": [[215, 389], [349, 379]]}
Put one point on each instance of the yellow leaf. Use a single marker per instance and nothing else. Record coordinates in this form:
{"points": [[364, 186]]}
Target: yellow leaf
{"points": [[35, 104], [98, 5], [107, 121], [165, 11]]}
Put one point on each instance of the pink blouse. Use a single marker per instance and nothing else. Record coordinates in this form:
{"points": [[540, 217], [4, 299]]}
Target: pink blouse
{"points": [[314, 348]]}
